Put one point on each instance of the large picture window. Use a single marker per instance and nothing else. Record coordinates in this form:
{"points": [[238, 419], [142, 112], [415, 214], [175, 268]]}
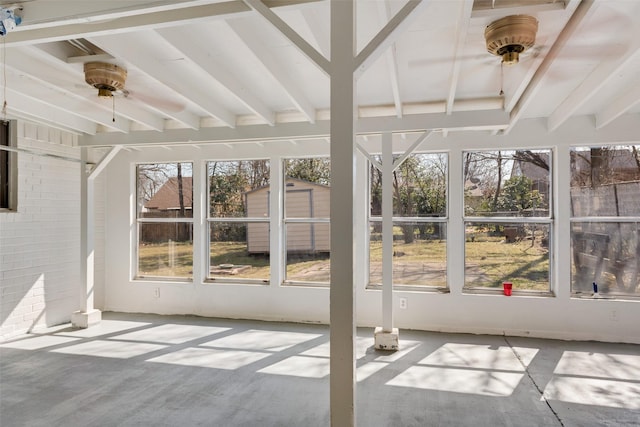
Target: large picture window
{"points": [[605, 220], [238, 220], [306, 217], [507, 219], [165, 220], [419, 222]]}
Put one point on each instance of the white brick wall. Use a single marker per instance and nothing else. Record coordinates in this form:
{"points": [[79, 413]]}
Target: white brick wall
{"points": [[40, 243]]}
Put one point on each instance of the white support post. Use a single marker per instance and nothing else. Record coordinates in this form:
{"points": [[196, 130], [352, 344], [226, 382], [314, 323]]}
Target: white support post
{"points": [[562, 209], [455, 227], [200, 226], [276, 208], [387, 233], [387, 337], [87, 315], [342, 294]]}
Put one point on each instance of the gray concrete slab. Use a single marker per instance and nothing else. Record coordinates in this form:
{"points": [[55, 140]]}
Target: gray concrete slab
{"points": [[148, 370]]}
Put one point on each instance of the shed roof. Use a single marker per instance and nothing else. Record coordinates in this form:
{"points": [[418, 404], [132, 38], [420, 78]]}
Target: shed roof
{"points": [[290, 180]]}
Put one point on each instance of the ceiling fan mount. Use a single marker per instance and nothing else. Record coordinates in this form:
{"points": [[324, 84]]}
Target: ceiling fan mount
{"points": [[508, 37], [110, 80], [106, 77]]}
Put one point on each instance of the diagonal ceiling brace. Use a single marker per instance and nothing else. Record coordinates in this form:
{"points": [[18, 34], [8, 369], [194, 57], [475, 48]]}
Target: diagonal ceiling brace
{"points": [[622, 103], [392, 61], [595, 82], [396, 163], [422, 138], [104, 162], [295, 38], [462, 27], [372, 159], [583, 10], [253, 42], [388, 35]]}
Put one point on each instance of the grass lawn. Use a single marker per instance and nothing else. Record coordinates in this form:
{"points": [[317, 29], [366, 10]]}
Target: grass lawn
{"points": [[489, 262], [174, 259]]}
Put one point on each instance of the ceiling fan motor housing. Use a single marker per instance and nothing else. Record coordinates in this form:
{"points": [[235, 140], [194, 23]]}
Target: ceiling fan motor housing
{"points": [[509, 36], [105, 77]]}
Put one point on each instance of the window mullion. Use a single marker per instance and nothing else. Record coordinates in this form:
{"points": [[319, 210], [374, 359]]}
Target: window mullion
{"points": [[276, 215]]}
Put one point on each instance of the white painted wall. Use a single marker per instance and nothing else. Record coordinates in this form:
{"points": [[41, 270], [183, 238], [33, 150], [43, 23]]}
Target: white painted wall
{"points": [[554, 317], [40, 243], [39, 249]]}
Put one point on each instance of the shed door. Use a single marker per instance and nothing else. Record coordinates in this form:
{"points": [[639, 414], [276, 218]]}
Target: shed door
{"points": [[299, 204]]}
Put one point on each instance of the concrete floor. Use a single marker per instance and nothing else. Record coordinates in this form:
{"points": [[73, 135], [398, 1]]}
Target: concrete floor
{"points": [[147, 370]]}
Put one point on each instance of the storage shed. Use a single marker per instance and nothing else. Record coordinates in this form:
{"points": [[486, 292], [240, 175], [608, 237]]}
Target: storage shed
{"points": [[303, 199]]}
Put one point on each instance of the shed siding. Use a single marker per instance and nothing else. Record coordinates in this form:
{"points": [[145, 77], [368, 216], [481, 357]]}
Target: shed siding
{"points": [[302, 200]]}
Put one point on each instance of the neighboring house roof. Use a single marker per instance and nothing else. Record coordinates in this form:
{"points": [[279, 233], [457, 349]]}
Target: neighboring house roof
{"points": [[617, 159], [167, 196], [617, 166], [532, 171]]}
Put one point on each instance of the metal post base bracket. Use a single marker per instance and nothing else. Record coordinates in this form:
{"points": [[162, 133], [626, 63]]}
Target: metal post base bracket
{"points": [[81, 319], [385, 340]]}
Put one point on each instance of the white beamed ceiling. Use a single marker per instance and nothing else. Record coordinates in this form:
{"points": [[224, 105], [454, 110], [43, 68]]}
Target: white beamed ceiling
{"points": [[201, 64]]}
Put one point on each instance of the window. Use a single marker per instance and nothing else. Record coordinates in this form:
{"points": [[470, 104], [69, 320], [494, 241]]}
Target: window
{"points": [[238, 219], [605, 220], [507, 219], [165, 220], [306, 218], [419, 222], [8, 166]]}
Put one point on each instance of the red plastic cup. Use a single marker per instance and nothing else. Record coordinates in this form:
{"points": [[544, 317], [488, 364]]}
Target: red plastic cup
{"points": [[506, 287]]}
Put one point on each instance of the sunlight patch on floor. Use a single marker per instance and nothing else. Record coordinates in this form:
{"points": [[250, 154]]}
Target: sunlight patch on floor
{"points": [[365, 371], [171, 333], [469, 368], [210, 358], [592, 391], [300, 366], [114, 349], [481, 382], [105, 327], [602, 365], [262, 340], [603, 379], [38, 342], [480, 357]]}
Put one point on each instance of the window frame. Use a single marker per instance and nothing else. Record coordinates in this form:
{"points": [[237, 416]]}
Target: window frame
{"points": [[9, 166], [289, 220], [444, 219], [209, 220], [595, 219], [546, 220], [141, 221]]}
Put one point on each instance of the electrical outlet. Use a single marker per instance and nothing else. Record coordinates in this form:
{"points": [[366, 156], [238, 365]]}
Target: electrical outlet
{"points": [[613, 315], [156, 292], [403, 303]]}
